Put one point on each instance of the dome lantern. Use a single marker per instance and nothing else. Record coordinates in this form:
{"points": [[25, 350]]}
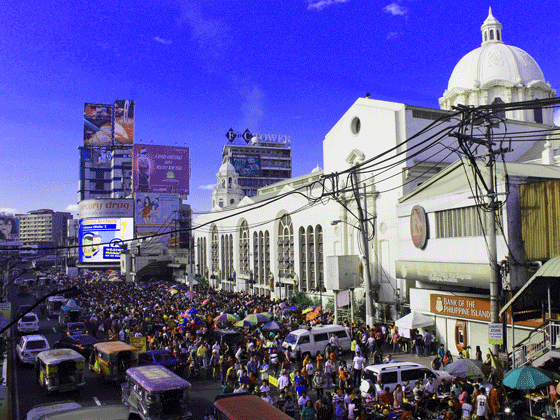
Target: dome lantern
{"points": [[491, 29]]}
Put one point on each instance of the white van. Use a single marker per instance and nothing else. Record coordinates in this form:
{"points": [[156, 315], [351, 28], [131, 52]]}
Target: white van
{"points": [[391, 374], [315, 340]]}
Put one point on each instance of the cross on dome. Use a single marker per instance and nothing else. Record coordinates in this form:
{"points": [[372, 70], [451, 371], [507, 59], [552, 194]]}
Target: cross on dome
{"points": [[491, 29]]}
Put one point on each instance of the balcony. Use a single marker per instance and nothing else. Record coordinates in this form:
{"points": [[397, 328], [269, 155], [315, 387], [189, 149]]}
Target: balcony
{"points": [[542, 345]]}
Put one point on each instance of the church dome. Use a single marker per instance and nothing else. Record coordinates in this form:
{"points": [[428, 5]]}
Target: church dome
{"points": [[495, 63], [498, 73], [226, 169]]}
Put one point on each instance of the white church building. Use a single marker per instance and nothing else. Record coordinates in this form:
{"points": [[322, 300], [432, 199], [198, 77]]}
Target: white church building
{"points": [[303, 234]]}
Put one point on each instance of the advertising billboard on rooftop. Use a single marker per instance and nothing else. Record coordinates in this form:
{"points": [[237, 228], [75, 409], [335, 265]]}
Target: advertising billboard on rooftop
{"points": [[98, 129], [105, 208], [123, 127], [160, 169]]}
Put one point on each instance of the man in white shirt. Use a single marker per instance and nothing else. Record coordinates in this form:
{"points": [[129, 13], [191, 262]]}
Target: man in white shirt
{"points": [[358, 363], [283, 381], [481, 405], [303, 400], [329, 369]]}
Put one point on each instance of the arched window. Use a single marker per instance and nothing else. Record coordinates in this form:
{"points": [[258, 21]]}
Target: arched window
{"points": [[231, 201], [285, 246], [266, 252], [223, 250], [498, 113], [319, 255], [485, 36], [498, 35], [302, 259], [229, 181], [215, 249], [491, 34], [538, 116], [244, 247], [310, 237], [223, 183]]}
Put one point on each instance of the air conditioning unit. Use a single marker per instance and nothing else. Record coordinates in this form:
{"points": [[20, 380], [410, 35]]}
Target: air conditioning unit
{"points": [[343, 272]]}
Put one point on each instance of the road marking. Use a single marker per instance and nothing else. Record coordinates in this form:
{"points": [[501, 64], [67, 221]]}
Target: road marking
{"points": [[96, 400], [53, 329]]}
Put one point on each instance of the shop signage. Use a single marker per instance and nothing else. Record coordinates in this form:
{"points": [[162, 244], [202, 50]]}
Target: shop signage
{"points": [[461, 274], [418, 227], [495, 333], [460, 307]]}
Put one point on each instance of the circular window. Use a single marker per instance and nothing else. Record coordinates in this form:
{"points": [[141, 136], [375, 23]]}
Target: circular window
{"points": [[356, 125]]}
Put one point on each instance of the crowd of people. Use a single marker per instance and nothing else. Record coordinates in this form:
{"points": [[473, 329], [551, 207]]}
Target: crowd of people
{"points": [[182, 321]]}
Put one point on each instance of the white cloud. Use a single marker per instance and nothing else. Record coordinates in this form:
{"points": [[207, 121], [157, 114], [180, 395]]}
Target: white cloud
{"points": [[321, 4], [392, 35], [395, 9], [557, 117], [252, 106], [72, 207], [162, 40], [7, 210], [207, 186]]}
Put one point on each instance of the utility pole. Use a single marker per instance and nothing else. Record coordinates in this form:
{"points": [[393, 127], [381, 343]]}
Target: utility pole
{"points": [[364, 232], [491, 227], [491, 205]]}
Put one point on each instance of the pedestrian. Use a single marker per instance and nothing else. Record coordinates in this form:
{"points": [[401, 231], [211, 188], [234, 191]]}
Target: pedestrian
{"points": [[357, 365], [319, 382]]}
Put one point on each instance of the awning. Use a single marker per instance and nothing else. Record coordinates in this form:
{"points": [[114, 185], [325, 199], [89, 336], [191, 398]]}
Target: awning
{"points": [[173, 265], [535, 292]]}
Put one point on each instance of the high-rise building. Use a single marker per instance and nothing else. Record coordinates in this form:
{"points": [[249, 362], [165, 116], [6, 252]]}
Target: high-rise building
{"points": [[43, 227], [259, 163]]}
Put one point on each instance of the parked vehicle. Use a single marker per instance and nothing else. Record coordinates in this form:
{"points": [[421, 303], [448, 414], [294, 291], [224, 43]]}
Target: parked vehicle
{"points": [[60, 370], [163, 358], [392, 374], [230, 337], [54, 303], [30, 346], [62, 411], [82, 343], [28, 324], [22, 309], [157, 393], [313, 341], [111, 359]]}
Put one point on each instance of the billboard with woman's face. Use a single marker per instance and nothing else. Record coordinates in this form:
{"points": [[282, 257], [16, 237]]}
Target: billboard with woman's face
{"points": [[9, 228]]}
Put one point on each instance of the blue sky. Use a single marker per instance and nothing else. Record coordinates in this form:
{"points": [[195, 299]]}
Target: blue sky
{"points": [[196, 68]]}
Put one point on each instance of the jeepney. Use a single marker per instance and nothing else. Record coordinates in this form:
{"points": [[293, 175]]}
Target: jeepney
{"points": [[70, 312], [54, 303], [111, 359], [60, 370], [157, 393]]}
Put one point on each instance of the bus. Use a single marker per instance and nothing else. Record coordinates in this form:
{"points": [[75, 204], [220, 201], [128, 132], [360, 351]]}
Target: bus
{"points": [[244, 406]]}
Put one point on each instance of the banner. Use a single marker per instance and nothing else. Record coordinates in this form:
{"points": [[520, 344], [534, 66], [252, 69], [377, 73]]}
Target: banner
{"points": [[247, 166], [160, 169], [9, 228]]}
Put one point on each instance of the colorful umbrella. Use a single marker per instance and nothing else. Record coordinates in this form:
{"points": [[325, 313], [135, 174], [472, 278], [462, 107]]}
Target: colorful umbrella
{"points": [[312, 315], [318, 308], [306, 311], [245, 323], [267, 314], [257, 318], [283, 305], [464, 368], [205, 301], [190, 295], [526, 378], [226, 318], [271, 326], [173, 292]]}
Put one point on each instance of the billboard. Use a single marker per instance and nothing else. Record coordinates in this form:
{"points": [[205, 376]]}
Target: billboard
{"points": [[247, 166], [160, 169], [9, 228], [123, 128], [156, 214], [99, 239], [98, 124], [106, 208], [109, 125]]}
